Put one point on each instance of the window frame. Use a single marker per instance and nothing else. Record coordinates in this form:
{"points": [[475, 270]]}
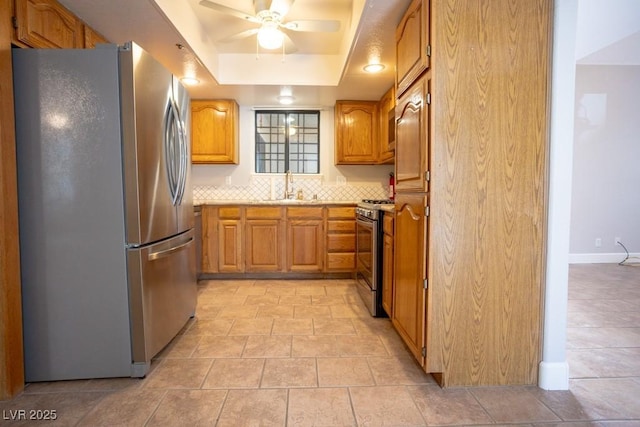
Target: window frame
{"points": [[287, 153]]}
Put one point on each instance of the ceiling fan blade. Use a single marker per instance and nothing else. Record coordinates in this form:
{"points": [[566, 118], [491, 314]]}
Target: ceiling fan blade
{"points": [[313, 25], [239, 36], [229, 11], [289, 45], [281, 7]]}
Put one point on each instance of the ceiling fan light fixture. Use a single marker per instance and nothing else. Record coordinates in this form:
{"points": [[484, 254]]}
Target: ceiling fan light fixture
{"points": [[373, 68], [270, 37]]}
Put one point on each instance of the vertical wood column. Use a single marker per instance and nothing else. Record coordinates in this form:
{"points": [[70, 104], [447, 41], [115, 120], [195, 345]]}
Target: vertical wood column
{"points": [[11, 354]]}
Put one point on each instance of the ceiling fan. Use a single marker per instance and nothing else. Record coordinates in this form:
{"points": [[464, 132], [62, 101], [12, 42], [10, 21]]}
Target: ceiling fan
{"points": [[269, 14]]}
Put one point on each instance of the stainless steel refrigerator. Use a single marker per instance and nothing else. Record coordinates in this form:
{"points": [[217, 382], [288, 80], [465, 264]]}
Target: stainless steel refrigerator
{"points": [[107, 247]]}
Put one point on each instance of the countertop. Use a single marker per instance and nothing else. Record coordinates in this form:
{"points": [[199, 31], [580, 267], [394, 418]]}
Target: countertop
{"points": [[388, 208], [273, 202]]}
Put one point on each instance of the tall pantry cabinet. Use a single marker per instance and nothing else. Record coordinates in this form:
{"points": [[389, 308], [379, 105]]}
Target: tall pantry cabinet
{"points": [[468, 295]]}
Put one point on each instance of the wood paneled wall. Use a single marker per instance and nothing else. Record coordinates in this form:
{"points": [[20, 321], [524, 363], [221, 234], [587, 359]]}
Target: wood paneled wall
{"points": [[491, 68], [11, 356]]}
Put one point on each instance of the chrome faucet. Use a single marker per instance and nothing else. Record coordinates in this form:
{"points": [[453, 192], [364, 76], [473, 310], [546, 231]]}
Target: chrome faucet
{"points": [[288, 185]]}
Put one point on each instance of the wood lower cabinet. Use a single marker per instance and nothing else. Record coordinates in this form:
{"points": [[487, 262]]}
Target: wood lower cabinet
{"points": [[341, 239], [305, 239], [265, 239], [387, 263], [230, 246], [222, 238], [410, 270], [277, 239], [214, 131], [47, 24], [357, 127]]}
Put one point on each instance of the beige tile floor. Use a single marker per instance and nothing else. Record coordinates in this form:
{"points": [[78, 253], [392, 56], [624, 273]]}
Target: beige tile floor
{"points": [[306, 353]]}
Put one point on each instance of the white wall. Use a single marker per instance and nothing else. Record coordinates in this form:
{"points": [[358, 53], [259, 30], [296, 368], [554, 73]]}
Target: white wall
{"points": [[241, 174], [606, 165], [604, 22], [554, 369]]}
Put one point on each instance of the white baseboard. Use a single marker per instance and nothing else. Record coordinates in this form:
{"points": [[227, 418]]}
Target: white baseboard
{"points": [[611, 258], [553, 376]]}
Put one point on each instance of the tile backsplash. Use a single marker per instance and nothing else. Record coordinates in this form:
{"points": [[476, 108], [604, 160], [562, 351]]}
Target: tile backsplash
{"points": [[272, 188]]}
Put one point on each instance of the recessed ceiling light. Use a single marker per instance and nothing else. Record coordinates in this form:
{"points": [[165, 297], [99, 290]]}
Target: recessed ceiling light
{"points": [[190, 81], [286, 99], [373, 68]]}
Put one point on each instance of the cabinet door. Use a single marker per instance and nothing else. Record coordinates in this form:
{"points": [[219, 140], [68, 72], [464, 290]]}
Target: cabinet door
{"points": [[412, 44], [412, 132], [386, 137], [341, 239], [387, 264], [214, 131], [264, 245], [47, 24], [92, 38], [230, 246], [409, 296], [209, 261], [356, 125], [305, 252]]}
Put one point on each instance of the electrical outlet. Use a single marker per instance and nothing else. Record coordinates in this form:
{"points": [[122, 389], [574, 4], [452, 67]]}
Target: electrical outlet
{"points": [[598, 242], [617, 240], [227, 180]]}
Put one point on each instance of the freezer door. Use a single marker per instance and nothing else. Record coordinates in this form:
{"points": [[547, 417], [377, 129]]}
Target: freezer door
{"points": [[162, 293], [147, 109]]}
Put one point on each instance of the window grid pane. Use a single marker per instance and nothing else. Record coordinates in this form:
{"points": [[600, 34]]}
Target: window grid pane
{"points": [[287, 140]]}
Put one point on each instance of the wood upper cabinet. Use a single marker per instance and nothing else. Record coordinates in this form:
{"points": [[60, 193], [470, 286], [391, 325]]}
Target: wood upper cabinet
{"points": [[47, 24], [214, 131], [341, 239], [412, 133], [92, 37], [357, 127], [265, 239], [412, 44], [409, 313], [387, 263], [387, 116], [305, 239]]}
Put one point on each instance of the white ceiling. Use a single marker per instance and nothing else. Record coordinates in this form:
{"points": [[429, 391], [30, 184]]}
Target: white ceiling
{"points": [[189, 39]]}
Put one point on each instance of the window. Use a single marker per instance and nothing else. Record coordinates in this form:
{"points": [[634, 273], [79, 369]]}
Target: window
{"points": [[287, 141]]}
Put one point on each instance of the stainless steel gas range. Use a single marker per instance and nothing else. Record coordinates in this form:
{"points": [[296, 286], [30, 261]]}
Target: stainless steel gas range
{"points": [[369, 253]]}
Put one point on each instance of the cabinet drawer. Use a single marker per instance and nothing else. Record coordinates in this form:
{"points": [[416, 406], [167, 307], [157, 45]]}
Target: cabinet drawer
{"points": [[339, 226], [229, 212], [341, 212], [263, 212], [304, 212], [341, 243], [387, 224], [341, 261]]}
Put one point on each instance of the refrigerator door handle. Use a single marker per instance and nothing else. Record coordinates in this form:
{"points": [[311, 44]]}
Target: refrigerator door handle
{"points": [[183, 157], [174, 146], [164, 253]]}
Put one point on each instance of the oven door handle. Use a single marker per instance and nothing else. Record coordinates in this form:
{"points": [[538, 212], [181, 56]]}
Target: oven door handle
{"points": [[364, 221]]}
